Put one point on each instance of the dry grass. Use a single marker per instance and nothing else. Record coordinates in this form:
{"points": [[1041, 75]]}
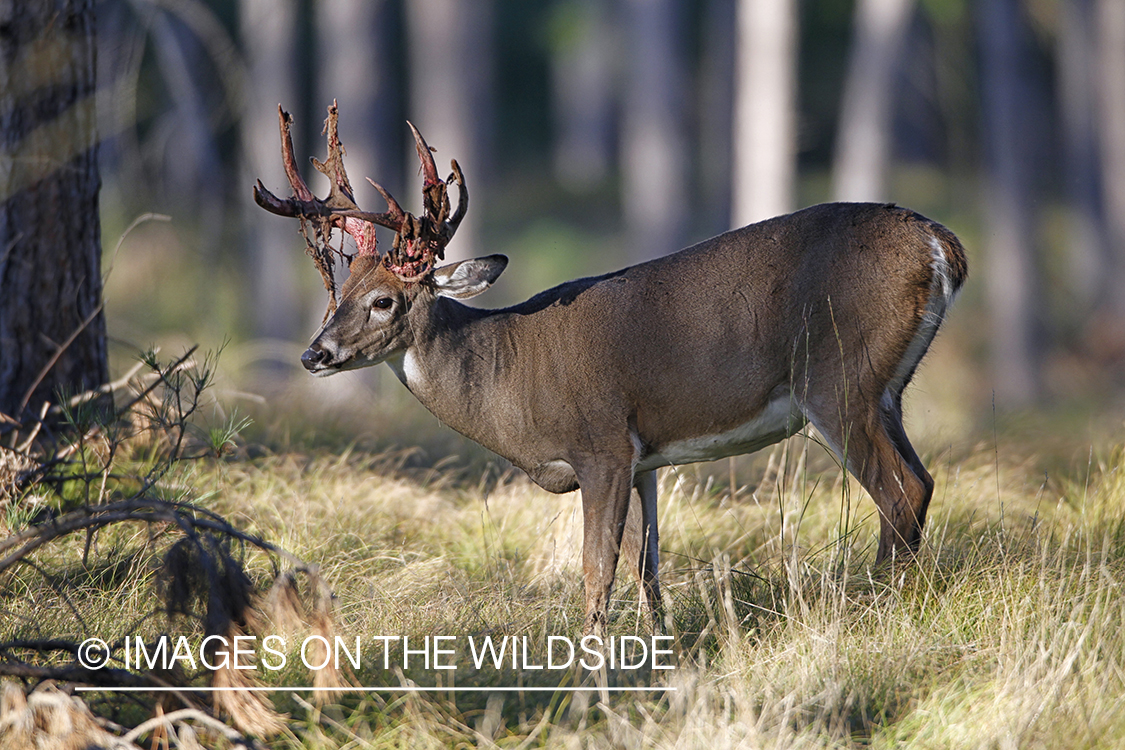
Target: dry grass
{"points": [[1009, 631]]}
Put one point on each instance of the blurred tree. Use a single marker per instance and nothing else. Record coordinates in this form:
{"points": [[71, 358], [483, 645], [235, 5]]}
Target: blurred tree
{"points": [[715, 103], [1011, 272], [52, 331], [765, 118], [356, 44], [653, 137], [1111, 129], [190, 164], [269, 36], [864, 135], [582, 89], [1077, 86], [450, 56]]}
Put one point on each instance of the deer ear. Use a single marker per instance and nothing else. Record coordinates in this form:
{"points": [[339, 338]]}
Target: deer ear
{"points": [[468, 278]]}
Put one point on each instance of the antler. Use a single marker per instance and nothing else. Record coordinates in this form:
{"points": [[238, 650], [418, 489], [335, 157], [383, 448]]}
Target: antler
{"points": [[421, 241], [418, 242]]}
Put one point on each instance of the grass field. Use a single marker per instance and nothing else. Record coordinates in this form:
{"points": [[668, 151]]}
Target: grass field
{"points": [[1008, 631]]}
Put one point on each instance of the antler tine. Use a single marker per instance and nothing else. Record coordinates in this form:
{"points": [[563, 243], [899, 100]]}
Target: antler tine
{"points": [[304, 203], [435, 192], [435, 199], [426, 156], [300, 189], [462, 198], [341, 194]]}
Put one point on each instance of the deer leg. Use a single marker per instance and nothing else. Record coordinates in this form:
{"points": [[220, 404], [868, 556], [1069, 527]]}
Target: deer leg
{"points": [[605, 505], [648, 553], [901, 495], [892, 421], [897, 491]]}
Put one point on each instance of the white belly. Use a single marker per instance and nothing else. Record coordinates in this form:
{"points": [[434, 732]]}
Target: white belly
{"points": [[777, 421]]}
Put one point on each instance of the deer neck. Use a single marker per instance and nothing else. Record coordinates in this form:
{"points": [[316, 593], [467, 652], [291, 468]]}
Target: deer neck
{"points": [[452, 365]]}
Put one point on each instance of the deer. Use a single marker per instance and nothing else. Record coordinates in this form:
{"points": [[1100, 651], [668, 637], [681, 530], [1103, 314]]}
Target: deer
{"points": [[817, 317]]}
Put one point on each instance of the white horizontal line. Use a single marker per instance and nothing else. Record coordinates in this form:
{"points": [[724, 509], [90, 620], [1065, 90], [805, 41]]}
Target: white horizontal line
{"points": [[377, 689]]}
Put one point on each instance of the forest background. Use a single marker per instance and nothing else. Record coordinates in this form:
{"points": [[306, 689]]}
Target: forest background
{"points": [[596, 133], [593, 134]]}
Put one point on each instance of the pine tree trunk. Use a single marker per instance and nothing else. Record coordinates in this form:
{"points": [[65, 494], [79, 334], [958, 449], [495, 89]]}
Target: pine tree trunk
{"points": [[1111, 127], [863, 145], [653, 129], [765, 120], [1077, 85], [451, 99], [356, 42], [275, 250], [1012, 273], [52, 331], [582, 91]]}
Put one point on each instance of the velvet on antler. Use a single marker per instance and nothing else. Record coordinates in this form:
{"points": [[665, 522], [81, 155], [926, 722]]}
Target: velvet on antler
{"points": [[419, 241]]}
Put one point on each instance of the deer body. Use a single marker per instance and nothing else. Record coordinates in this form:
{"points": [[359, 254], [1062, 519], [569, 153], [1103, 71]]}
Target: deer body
{"points": [[726, 347], [718, 350]]}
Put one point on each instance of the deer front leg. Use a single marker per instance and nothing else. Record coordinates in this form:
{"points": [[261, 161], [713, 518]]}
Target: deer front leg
{"points": [[605, 504], [648, 552]]}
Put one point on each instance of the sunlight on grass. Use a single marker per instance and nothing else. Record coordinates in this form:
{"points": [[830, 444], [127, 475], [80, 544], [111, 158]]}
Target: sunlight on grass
{"points": [[1007, 631]]}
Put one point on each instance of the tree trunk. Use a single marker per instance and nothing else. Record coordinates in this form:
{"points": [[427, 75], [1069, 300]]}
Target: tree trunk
{"points": [[268, 29], [356, 44], [715, 104], [1077, 76], [863, 142], [653, 137], [1011, 266], [1111, 129], [582, 91], [765, 122], [52, 331], [451, 98]]}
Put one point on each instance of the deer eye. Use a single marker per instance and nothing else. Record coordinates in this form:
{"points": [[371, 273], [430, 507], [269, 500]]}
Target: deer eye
{"points": [[383, 303]]}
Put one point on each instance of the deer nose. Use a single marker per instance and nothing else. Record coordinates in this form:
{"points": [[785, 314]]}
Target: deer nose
{"points": [[313, 357]]}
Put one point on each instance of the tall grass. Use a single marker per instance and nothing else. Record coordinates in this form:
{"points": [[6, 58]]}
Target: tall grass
{"points": [[1008, 630]]}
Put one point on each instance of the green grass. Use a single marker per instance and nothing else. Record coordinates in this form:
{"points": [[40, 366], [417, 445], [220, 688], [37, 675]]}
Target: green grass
{"points": [[1008, 631]]}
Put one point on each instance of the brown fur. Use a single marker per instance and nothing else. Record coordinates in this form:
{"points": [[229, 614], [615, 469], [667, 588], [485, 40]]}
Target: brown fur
{"points": [[720, 349]]}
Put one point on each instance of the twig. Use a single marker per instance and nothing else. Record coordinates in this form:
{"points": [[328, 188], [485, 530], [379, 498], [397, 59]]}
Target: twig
{"points": [[229, 733], [58, 353], [146, 510], [22, 448], [116, 385], [121, 240], [108, 677]]}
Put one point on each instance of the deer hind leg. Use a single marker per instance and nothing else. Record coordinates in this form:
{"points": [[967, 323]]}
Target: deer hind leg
{"points": [[891, 410], [640, 544], [876, 451]]}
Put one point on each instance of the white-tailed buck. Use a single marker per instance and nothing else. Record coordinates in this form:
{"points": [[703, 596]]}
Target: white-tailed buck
{"points": [[726, 347]]}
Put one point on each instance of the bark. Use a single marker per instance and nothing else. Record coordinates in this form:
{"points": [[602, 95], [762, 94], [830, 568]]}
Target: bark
{"points": [[653, 135], [765, 127], [268, 29], [864, 139], [1011, 259], [451, 99], [52, 331]]}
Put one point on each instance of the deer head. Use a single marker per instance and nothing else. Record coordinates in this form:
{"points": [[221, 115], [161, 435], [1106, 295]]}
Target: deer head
{"points": [[369, 323]]}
